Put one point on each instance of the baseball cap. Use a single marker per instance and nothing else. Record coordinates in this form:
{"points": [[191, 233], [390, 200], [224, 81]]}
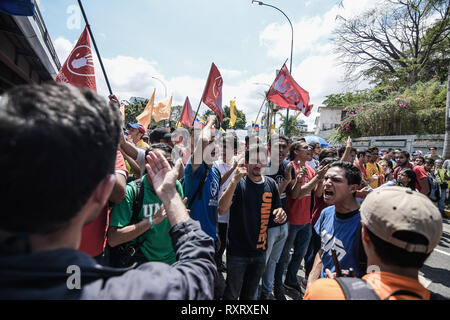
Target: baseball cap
{"points": [[137, 126], [388, 210], [160, 133]]}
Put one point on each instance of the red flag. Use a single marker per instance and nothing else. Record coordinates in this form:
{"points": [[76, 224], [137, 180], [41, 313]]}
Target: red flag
{"points": [[212, 96], [287, 94], [187, 115], [78, 69]]}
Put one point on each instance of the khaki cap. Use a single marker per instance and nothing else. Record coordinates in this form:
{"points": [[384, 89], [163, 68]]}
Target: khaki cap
{"points": [[391, 209]]}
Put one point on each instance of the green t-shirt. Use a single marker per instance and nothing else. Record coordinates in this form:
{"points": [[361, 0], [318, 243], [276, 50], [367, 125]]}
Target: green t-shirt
{"points": [[157, 245]]}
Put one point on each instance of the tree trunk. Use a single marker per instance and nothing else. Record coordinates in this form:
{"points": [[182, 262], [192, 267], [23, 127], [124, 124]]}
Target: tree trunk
{"points": [[446, 152]]}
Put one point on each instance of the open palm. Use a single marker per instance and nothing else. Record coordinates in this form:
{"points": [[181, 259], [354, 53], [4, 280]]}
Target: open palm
{"points": [[162, 175]]}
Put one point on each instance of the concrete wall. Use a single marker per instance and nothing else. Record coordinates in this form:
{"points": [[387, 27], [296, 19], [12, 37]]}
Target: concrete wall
{"points": [[409, 143], [329, 119]]}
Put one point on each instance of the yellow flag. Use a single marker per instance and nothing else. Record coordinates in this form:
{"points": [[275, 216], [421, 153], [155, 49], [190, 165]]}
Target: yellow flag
{"points": [[146, 116], [162, 110], [233, 116]]}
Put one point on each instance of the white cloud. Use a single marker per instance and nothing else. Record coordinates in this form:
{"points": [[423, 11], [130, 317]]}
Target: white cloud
{"points": [[228, 73], [310, 33], [63, 48]]}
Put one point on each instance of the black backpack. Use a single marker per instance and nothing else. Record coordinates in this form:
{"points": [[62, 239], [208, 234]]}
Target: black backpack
{"points": [[435, 189], [127, 254], [359, 289]]}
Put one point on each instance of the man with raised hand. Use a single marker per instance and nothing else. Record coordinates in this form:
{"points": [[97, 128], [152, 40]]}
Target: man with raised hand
{"points": [[251, 198], [338, 224], [40, 237], [299, 217], [202, 181]]}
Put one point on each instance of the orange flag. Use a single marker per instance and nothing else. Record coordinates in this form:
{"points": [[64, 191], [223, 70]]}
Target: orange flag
{"points": [[146, 116], [162, 110]]}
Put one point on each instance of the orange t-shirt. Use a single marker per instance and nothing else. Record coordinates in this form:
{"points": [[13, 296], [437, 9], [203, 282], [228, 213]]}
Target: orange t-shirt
{"points": [[384, 283]]}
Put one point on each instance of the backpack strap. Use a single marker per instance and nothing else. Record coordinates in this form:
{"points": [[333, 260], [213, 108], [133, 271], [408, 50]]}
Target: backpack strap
{"points": [[138, 202], [356, 289], [359, 289], [403, 293], [199, 188]]}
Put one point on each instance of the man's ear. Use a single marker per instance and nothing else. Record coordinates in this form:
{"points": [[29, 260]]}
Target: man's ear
{"points": [[364, 234], [104, 188]]}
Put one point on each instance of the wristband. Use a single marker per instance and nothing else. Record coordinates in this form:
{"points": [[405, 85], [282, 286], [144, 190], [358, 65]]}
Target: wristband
{"points": [[150, 219]]}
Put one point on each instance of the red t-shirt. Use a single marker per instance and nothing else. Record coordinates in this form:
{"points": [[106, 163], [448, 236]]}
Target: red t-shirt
{"points": [[299, 210], [361, 169], [418, 170], [319, 205], [93, 238]]}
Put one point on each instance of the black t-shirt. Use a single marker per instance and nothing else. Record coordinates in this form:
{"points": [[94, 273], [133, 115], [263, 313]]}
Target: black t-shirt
{"points": [[253, 204]]}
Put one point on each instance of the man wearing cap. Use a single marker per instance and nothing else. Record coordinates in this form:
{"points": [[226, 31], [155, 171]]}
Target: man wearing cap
{"points": [[136, 131], [400, 229]]}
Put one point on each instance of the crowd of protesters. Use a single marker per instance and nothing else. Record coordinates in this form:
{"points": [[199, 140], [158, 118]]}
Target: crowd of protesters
{"points": [[195, 214]]}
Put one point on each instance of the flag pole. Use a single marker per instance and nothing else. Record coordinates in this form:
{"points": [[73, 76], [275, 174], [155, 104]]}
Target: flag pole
{"points": [[265, 98], [272, 109], [197, 111], [95, 46]]}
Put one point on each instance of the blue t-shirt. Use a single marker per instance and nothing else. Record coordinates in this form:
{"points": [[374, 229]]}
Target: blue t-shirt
{"points": [[204, 207], [341, 235]]}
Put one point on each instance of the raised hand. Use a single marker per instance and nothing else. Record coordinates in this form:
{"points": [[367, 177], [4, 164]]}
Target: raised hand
{"points": [[365, 191], [349, 142], [212, 119], [114, 100], [322, 170], [301, 172], [162, 176], [287, 172], [239, 173]]}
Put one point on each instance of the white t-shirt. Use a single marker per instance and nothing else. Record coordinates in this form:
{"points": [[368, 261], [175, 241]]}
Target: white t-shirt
{"points": [[140, 160], [223, 168]]}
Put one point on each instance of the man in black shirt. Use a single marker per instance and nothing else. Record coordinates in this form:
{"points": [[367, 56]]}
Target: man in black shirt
{"points": [[251, 199]]}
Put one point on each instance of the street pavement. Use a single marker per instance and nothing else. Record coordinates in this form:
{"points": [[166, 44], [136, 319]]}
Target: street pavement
{"points": [[435, 274]]}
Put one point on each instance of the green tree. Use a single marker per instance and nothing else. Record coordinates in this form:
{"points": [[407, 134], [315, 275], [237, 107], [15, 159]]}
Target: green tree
{"points": [[134, 110], [395, 43], [293, 125], [240, 121], [175, 115]]}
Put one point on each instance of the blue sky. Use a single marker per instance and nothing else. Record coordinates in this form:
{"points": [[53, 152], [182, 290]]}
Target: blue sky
{"points": [[176, 41]]}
